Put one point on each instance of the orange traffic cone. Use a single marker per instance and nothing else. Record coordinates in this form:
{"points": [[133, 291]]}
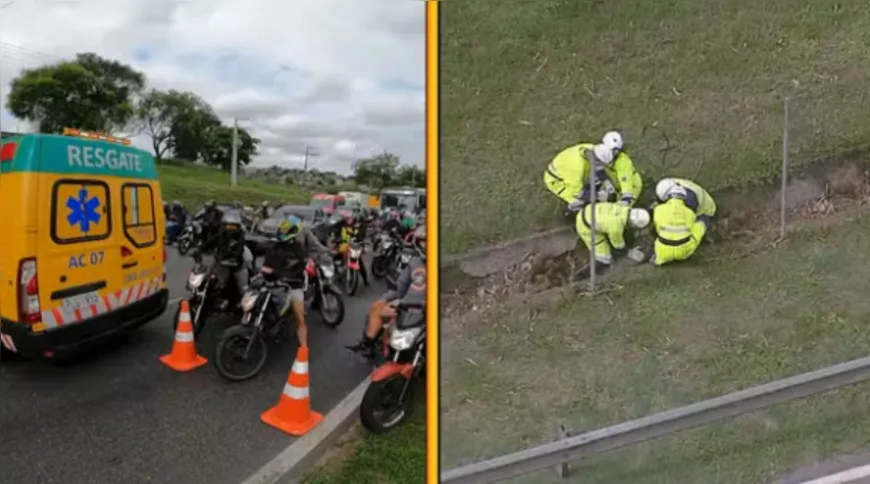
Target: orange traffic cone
{"points": [[293, 412], [183, 356]]}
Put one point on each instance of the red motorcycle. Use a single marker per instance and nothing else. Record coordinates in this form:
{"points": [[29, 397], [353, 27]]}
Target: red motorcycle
{"points": [[389, 399], [353, 259]]}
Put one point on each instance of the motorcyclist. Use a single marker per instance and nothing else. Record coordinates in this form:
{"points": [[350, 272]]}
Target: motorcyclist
{"points": [[286, 260], [350, 229], [265, 210], [210, 216], [176, 219], [410, 288], [697, 198], [611, 220], [230, 251], [679, 228], [567, 176]]}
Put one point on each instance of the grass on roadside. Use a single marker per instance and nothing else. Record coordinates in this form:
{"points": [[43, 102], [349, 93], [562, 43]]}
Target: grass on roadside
{"points": [[193, 185], [675, 336], [521, 80], [398, 457]]}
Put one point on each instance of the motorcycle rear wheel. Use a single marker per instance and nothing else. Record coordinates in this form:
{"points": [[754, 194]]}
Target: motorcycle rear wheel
{"points": [[377, 396], [234, 341]]}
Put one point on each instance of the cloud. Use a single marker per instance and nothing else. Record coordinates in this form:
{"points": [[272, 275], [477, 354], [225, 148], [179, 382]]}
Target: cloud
{"points": [[340, 78]]}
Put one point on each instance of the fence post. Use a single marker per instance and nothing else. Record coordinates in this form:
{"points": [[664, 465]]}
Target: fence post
{"points": [[593, 194], [785, 149]]}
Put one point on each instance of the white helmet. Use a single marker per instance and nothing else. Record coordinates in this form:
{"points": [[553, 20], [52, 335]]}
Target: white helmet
{"points": [[677, 191], [603, 154], [663, 187], [612, 140], [638, 218]]}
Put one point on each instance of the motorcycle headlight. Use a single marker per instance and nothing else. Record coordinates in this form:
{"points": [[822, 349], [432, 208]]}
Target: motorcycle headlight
{"points": [[403, 339], [248, 301], [387, 244], [354, 253], [194, 280], [405, 258], [328, 271]]}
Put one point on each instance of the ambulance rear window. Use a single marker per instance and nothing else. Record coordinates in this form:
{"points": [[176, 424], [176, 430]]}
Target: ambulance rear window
{"points": [[140, 224], [81, 211]]}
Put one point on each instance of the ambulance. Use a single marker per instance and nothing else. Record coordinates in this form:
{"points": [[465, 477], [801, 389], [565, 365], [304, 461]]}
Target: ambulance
{"points": [[82, 255]]}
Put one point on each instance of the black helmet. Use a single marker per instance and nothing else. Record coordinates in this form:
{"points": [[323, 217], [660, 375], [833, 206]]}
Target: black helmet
{"points": [[210, 204]]}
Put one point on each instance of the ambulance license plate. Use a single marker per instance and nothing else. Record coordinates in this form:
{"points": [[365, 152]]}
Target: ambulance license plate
{"points": [[81, 301]]}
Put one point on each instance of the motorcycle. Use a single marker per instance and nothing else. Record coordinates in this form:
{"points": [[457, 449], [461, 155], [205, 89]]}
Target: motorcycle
{"points": [[352, 267], [321, 293], [243, 349], [190, 238], [408, 252], [386, 251], [389, 399], [212, 290]]}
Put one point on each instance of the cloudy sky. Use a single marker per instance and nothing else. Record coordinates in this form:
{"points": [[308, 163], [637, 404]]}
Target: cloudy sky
{"points": [[345, 77]]}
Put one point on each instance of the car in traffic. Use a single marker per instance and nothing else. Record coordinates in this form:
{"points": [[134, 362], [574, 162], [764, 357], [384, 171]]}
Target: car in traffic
{"points": [[329, 204]]}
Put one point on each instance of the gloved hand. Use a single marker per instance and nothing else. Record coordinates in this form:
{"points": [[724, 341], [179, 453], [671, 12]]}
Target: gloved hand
{"points": [[576, 205]]}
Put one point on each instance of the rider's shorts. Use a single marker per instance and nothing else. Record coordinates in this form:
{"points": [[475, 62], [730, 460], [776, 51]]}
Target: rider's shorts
{"points": [[290, 296]]}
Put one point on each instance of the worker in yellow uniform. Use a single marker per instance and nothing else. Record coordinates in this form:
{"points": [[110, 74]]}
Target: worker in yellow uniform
{"points": [[679, 228], [567, 176], [696, 197], [611, 220]]}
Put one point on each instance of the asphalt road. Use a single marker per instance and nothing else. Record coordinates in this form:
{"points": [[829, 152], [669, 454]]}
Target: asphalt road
{"points": [[121, 417]]}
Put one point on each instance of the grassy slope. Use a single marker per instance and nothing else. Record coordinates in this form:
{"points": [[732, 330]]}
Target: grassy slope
{"points": [[673, 337], [523, 79], [398, 457], [193, 185]]}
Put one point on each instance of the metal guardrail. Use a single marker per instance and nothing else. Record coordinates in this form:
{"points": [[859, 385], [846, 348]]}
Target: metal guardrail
{"points": [[647, 428]]}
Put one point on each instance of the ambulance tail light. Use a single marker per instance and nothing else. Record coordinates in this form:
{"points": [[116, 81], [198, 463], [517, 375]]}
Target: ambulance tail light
{"points": [[28, 292], [7, 151]]}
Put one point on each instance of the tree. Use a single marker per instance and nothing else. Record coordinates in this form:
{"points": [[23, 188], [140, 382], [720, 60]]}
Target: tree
{"points": [[176, 121], [378, 171], [218, 148], [410, 176], [89, 93]]}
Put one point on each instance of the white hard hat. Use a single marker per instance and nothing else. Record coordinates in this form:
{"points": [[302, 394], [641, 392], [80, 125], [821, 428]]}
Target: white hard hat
{"points": [[612, 140], [603, 154], [638, 218], [663, 187], [676, 191]]}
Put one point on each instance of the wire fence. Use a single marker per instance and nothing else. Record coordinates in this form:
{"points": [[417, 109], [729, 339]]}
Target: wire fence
{"points": [[790, 144], [762, 141]]}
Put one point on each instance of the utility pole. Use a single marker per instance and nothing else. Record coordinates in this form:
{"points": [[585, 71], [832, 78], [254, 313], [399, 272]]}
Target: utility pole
{"points": [[234, 170], [309, 153]]}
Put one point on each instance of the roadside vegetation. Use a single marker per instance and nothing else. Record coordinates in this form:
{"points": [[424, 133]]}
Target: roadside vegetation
{"points": [[662, 338], [696, 88], [193, 185], [398, 457]]}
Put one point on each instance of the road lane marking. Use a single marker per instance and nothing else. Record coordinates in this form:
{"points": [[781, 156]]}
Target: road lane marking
{"points": [[843, 477]]}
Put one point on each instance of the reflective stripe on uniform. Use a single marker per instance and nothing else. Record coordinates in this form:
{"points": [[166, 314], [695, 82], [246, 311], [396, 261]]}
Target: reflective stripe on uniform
{"points": [[667, 229], [296, 393]]}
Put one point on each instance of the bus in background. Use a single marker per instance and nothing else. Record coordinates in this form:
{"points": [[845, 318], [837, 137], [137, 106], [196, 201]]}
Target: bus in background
{"points": [[82, 257], [411, 199]]}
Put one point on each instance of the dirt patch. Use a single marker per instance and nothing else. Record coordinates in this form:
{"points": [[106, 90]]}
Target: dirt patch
{"points": [[748, 219]]}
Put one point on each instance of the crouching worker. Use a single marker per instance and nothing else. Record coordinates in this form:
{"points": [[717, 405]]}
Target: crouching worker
{"points": [[611, 220], [679, 228], [696, 197], [410, 288]]}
